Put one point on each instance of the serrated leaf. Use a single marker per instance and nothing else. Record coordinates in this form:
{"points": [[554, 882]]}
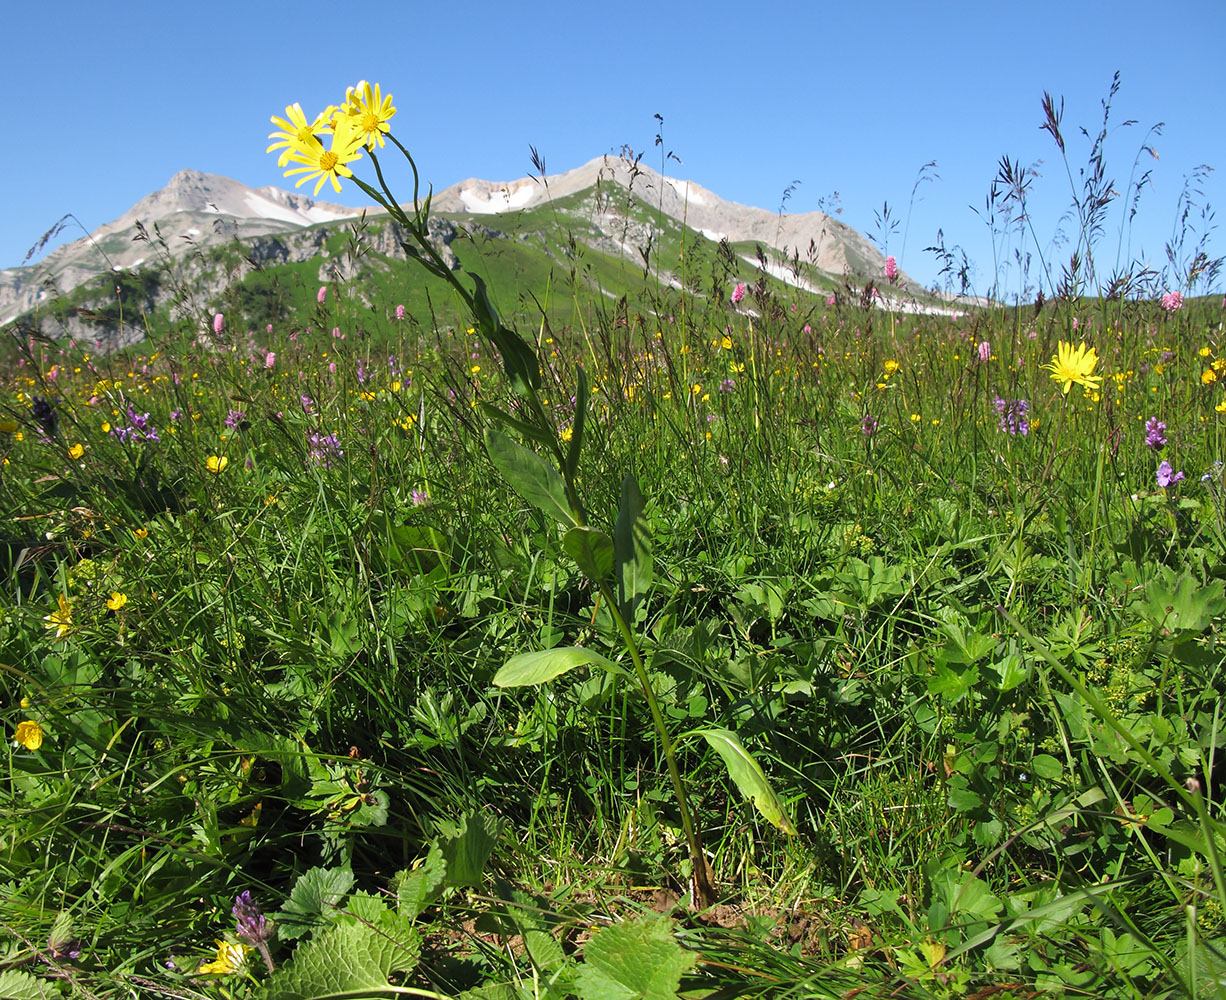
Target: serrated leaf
{"points": [[529, 475], [634, 959], [347, 958], [315, 897], [632, 549], [18, 985], [419, 888], [748, 776], [543, 665], [592, 551], [467, 852]]}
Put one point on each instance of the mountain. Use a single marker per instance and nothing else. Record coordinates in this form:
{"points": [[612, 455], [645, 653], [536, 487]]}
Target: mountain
{"points": [[612, 204]]}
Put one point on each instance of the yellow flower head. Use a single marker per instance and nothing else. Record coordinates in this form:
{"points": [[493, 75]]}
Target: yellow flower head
{"points": [[76, 451], [117, 601], [327, 164], [891, 366], [230, 958], [296, 132], [61, 618], [29, 735], [1208, 376], [1072, 364], [370, 112], [217, 463]]}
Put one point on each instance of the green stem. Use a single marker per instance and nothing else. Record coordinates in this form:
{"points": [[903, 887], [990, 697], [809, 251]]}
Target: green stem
{"points": [[704, 890]]}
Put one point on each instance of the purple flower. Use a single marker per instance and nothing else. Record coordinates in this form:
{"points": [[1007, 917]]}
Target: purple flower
{"points": [[252, 926], [324, 448], [308, 404], [1167, 476], [1172, 301], [891, 269], [1155, 436], [727, 385], [1014, 415], [234, 419], [420, 498], [738, 293], [868, 425]]}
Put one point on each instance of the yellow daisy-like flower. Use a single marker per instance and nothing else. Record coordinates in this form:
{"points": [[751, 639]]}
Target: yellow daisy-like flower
{"points": [[726, 343], [369, 110], [326, 164], [891, 366], [76, 451], [230, 958], [1208, 376], [60, 619], [217, 463], [296, 132], [117, 601], [140, 532], [29, 735], [1074, 364], [1221, 407]]}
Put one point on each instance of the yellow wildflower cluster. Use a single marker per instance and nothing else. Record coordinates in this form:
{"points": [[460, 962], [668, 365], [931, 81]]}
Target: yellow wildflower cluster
{"points": [[361, 121]]}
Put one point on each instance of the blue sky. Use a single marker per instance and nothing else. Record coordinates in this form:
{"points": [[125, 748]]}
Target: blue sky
{"points": [[754, 97]]}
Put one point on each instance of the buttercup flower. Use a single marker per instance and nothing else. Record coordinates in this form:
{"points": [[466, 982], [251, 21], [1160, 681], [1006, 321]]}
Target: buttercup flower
{"points": [[76, 451], [369, 111], [61, 618], [230, 958], [1072, 364], [29, 735], [117, 600], [216, 463]]}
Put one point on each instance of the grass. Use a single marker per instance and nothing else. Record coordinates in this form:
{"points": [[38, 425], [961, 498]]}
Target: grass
{"points": [[980, 668]]}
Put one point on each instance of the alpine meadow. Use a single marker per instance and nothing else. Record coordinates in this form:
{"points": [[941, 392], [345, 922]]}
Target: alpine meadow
{"points": [[537, 593]]}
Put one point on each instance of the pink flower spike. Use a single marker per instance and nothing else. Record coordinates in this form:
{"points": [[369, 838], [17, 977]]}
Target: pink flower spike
{"points": [[219, 323], [985, 350], [400, 312], [891, 269], [738, 293], [270, 360], [322, 295]]}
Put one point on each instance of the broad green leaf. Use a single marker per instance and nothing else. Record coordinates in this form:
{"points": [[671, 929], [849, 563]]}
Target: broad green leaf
{"points": [[592, 550], [634, 959], [1044, 765], [419, 888], [315, 897], [349, 958], [529, 431], [632, 548], [748, 776], [519, 360], [529, 475], [469, 849], [18, 985], [528, 669]]}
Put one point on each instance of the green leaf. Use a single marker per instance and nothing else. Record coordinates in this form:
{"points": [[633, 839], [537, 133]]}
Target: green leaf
{"points": [[634, 959], [576, 436], [1044, 765], [467, 851], [18, 985], [519, 360], [529, 475], [632, 548], [592, 550], [748, 776], [348, 958], [528, 669], [531, 432], [315, 897], [419, 888]]}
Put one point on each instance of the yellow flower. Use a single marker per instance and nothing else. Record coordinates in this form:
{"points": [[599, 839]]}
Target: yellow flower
{"points": [[891, 367], [29, 735], [567, 433], [370, 112], [76, 451], [726, 343], [916, 418], [117, 601], [1221, 407], [1208, 376], [217, 463], [1204, 352], [1072, 364], [61, 618], [296, 132], [140, 532], [326, 164], [106, 427], [230, 958]]}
